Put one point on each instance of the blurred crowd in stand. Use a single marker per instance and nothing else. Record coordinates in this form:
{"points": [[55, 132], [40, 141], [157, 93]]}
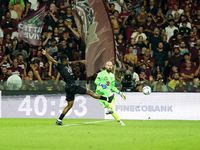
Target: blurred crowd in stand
{"points": [[157, 44]]}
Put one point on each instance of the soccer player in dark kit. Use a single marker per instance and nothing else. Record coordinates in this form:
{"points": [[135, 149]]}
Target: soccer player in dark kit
{"points": [[71, 88]]}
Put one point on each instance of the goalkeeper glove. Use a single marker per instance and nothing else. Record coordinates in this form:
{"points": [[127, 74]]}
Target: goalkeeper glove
{"points": [[103, 86], [122, 95]]}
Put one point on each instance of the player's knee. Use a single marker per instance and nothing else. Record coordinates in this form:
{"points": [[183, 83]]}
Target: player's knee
{"points": [[70, 104]]}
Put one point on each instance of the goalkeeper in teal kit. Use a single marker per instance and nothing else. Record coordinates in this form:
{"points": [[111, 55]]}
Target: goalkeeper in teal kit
{"points": [[105, 82]]}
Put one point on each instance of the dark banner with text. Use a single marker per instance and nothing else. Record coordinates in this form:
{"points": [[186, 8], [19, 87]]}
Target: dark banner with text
{"points": [[95, 28], [30, 28]]}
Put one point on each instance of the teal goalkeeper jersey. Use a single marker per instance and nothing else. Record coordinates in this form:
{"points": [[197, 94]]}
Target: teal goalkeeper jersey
{"points": [[107, 79]]}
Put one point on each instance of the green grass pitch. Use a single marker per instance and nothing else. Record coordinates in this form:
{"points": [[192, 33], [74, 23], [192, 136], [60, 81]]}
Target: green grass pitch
{"points": [[86, 134]]}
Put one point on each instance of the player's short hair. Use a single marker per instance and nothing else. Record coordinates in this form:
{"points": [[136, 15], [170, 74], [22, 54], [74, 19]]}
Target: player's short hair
{"points": [[63, 58]]}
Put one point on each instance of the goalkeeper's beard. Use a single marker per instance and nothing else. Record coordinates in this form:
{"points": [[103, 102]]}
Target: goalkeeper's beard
{"points": [[108, 70]]}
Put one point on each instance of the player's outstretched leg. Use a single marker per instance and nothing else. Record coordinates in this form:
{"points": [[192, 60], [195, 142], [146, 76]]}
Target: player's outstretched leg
{"points": [[114, 114], [65, 110], [94, 95]]}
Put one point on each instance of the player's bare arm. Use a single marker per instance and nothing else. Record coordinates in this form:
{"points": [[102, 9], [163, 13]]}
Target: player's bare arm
{"points": [[44, 52], [79, 61]]}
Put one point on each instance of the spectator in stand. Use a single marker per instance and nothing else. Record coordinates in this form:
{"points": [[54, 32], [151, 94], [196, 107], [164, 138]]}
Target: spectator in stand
{"points": [[185, 19], [130, 28], [169, 17], [6, 62], [152, 8], [197, 72], [56, 34], [191, 41], [40, 59], [124, 14], [47, 71], [63, 6], [197, 59], [143, 76], [176, 59], [177, 19], [175, 81], [121, 44], [50, 19], [132, 56], [186, 4], [170, 6], [13, 13], [2, 15], [170, 29], [146, 60], [186, 58], [177, 10], [196, 20], [78, 75], [21, 63], [1, 36], [66, 49], [34, 4], [184, 30], [142, 16], [188, 72], [173, 38], [69, 18], [27, 9], [154, 40], [194, 50], [149, 26], [111, 9], [166, 46], [195, 30], [20, 51], [1, 53], [16, 70], [116, 23], [53, 48], [8, 24], [15, 2], [158, 75], [36, 71], [47, 41], [163, 33], [140, 43], [136, 50], [182, 48], [160, 19], [61, 26], [195, 87], [160, 58], [177, 41], [174, 70], [3, 75], [181, 86], [136, 35], [6, 42], [19, 8]]}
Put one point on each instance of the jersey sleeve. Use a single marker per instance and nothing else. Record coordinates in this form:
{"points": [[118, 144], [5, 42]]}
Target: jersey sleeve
{"points": [[113, 86], [98, 78]]}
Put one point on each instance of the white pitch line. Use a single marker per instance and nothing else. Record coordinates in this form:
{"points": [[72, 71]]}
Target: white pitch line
{"points": [[85, 123]]}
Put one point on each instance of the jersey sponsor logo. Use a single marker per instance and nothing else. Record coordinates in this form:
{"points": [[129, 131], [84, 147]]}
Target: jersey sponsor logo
{"points": [[107, 83]]}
